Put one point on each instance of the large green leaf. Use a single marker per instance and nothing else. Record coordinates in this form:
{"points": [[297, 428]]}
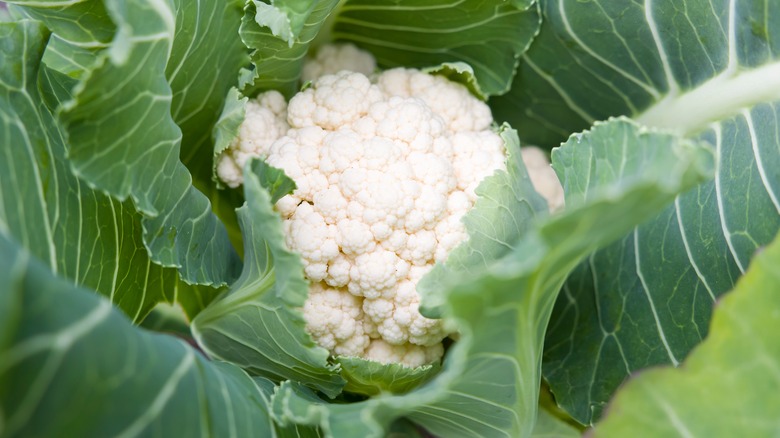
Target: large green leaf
{"points": [[152, 75], [205, 59], [278, 60], [647, 299], [82, 234], [728, 385], [620, 175], [201, 92], [267, 389], [709, 70], [257, 324], [205, 35], [671, 63], [549, 426], [73, 366], [489, 36]]}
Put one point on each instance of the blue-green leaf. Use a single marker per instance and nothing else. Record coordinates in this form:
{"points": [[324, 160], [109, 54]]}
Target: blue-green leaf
{"points": [[668, 63], [706, 70], [82, 234], [71, 365], [489, 36], [161, 108], [728, 384], [549, 426], [372, 378]]}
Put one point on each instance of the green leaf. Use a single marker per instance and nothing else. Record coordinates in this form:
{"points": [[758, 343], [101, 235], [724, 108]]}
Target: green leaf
{"points": [[278, 60], [84, 23], [622, 151], [193, 298], [203, 66], [74, 366], [267, 389], [257, 324], [139, 156], [55, 87], [180, 229], [669, 271], [206, 36], [708, 70], [726, 385], [166, 318], [489, 383], [549, 426], [489, 35], [67, 58], [205, 33], [671, 64], [80, 233], [272, 179], [372, 378]]}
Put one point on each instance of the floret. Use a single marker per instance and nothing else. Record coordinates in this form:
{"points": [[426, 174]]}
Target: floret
{"points": [[410, 355], [333, 58], [334, 320]]}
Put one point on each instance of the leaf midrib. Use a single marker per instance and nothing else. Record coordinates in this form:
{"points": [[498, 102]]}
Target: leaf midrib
{"points": [[719, 98]]}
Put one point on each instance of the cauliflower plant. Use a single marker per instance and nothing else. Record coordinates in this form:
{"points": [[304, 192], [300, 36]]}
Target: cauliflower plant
{"points": [[385, 168]]}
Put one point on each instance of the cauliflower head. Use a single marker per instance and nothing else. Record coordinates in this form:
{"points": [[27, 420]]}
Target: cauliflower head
{"points": [[385, 168], [332, 58]]}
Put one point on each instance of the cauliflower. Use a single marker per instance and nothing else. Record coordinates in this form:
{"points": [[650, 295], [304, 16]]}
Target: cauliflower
{"points": [[332, 58], [385, 169]]}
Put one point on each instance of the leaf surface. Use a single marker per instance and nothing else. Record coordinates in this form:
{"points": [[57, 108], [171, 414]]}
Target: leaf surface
{"points": [[671, 64], [205, 58], [549, 426], [647, 299], [81, 234], [727, 385], [151, 84], [373, 378], [707, 70], [72, 365], [489, 36]]}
